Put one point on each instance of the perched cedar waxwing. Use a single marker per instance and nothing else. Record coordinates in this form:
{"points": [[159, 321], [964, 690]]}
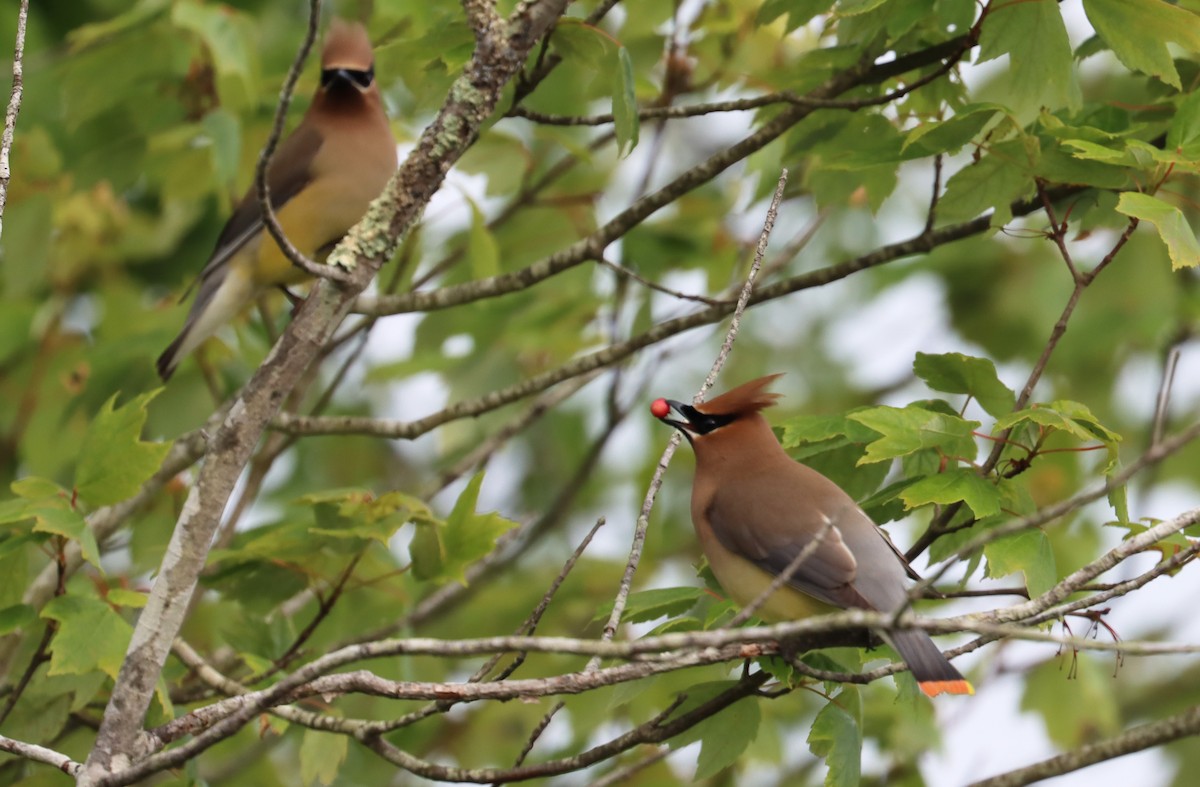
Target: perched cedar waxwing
{"points": [[755, 509], [322, 178]]}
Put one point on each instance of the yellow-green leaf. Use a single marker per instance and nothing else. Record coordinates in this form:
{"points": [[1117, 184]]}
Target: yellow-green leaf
{"points": [[1028, 552], [1138, 31], [1034, 37], [954, 485], [482, 250], [964, 374], [909, 429], [722, 737], [113, 459], [836, 736], [1171, 225], [624, 104], [469, 536], [90, 636], [321, 756]]}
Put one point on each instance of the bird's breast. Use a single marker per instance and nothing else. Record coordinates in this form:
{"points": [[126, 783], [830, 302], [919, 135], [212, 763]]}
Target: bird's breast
{"points": [[324, 211], [745, 582]]}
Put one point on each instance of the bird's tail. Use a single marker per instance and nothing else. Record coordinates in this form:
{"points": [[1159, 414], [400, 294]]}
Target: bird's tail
{"points": [[220, 297], [931, 669], [171, 356]]}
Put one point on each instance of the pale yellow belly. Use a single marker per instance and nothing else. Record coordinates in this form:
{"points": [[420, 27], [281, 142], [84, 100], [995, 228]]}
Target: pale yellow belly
{"points": [[744, 582], [310, 220]]}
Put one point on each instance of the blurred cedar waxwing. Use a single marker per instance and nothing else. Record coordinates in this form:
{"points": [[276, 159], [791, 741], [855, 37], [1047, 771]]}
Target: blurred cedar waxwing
{"points": [[322, 178], [755, 509]]}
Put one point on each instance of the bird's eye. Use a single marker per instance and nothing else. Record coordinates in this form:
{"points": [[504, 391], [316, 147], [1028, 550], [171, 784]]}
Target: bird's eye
{"points": [[703, 423], [363, 78]]}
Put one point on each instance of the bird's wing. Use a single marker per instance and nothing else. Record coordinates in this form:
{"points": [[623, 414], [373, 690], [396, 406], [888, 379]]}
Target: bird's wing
{"points": [[770, 530], [290, 172]]}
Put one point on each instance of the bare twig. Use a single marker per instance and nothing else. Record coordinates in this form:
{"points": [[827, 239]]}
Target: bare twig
{"points": [[324, 607], [1156, 733], [531, 624], [543, 404], [1080, 282], [742, 104], [32, 751], [657, 730], [643, 520], [14, 107], [621, 270], [623, 774], [1154, 455], [613, 354], [782, 578], [1163, 400], [935, 193]]}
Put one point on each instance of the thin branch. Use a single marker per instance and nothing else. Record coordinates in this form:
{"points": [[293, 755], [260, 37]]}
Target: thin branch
{"points": [[14, 107], [261, 186], [621, 270], [656, 730], [40, 656], [1163, 400], [31, 751], [1152, 456], [1117, 589], [324, 607], [647, 658], [643, 520], [1080, 282], [783, 577], [935, 193], [1060, 327], [615, 353], [546, 403], [530, 626], [470, 102], [622, 775], [592, 246], [1181, 725], [531, 622], [675, 111], [1079, 578], [511, 547]]}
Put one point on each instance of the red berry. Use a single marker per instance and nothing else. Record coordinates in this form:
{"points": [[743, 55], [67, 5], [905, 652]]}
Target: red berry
{"points": [[659, 408]]}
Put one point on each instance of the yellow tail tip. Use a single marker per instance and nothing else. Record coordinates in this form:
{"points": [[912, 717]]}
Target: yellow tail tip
{"points": [[933, 688]]}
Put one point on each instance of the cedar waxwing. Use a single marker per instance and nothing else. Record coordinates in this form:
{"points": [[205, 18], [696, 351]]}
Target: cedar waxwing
{"points": [[322, 178], [755, 508]]}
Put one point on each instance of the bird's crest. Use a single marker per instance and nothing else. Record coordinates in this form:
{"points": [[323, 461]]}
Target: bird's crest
{"points": [[746, 398], [347, 46]]}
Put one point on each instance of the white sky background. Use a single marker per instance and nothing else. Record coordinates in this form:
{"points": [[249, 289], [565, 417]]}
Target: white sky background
{"points": [[983, 735]]}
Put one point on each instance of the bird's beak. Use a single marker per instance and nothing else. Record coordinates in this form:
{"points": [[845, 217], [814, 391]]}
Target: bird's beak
{"points": [[673, 406]]}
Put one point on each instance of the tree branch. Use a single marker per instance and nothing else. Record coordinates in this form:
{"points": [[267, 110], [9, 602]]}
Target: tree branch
{"points": [[1181, 725], [32, 751], [472, 99], [922, 243]]}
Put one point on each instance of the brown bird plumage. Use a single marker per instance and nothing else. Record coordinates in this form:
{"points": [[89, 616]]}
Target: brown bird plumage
{"points": [[755, 508], [322, 178]]}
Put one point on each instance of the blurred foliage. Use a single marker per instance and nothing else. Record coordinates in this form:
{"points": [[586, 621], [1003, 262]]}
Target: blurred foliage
{"points": [[141, 124]]}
